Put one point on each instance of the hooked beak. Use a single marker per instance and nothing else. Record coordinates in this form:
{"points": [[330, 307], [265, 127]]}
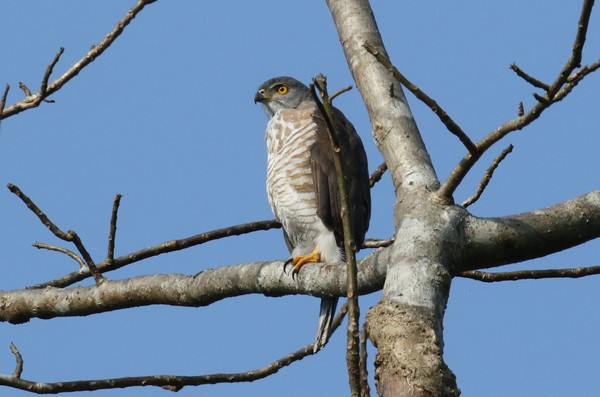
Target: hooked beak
{"points": [[260, 97]]}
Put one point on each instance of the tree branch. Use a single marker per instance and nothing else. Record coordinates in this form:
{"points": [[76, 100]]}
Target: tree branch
{"points": [[516, 238], [202, 289], [426, 99], [487, 177], [377, 174], [563, 84], [70, 236], [530, 274], [46, 89], [353, 347]]}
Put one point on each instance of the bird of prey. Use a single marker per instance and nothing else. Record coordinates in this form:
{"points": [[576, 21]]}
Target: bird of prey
{"points": [[302, 184]]}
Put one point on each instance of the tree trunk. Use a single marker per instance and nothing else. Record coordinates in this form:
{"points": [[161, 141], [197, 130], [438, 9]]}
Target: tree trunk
{"points": [[406, 325]]}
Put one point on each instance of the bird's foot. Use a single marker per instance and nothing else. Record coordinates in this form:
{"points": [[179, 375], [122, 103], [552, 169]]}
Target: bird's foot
{"points": [[301, 260]]}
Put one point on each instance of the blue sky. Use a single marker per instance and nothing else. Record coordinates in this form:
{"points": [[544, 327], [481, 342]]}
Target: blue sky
{"points": [[165, 117]]}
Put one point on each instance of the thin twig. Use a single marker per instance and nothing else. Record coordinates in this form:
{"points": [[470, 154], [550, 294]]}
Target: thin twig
{"points": [[364, 373], [110, 256], [33, 100], [62, 250], [530, 274], [19, 359], [427, 100], [530, 79], [487, 176], [3, 100], [44, 87], [377, 174], [339, 92], [70, 236], [353, 348]]}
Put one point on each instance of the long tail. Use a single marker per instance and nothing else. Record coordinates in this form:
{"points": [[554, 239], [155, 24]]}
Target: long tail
{"points": [[326, 314]]}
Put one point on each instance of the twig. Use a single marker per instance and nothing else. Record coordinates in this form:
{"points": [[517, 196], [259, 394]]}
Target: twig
{"points": [[110, 256], [65, 251], [339, 92], [70, 236], [19, 359], [364, 373], [487, 176], [432, 104], [33, 100], [162, 248], [563, 84], [377, 174], [530, 274], [353, 348], [377, 243], [530, 79], [3, 100]]}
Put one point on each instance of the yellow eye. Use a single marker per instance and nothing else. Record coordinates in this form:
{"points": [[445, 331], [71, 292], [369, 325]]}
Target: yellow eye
{"points": [[282, 89]]}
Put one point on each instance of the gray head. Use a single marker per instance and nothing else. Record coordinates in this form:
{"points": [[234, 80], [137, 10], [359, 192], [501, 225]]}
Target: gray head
{"points": [[282, 93]]}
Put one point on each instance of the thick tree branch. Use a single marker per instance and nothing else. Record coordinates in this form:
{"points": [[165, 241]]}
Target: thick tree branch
{"points": [[203, 289], [46, 89], [500, 241]]}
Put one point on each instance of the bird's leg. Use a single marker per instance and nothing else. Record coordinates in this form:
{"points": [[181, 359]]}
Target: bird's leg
{"points": [[301, 260]]}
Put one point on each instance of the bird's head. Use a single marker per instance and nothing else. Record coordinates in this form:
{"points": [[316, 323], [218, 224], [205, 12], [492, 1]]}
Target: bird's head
{"points": [[282, 93]]}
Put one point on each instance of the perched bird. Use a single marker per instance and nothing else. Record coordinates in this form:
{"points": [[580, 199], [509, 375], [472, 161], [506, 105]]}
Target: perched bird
{"points": [[302, 184]]}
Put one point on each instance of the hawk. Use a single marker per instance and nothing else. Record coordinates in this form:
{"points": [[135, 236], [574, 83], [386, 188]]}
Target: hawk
{"points": [[302, 184]]}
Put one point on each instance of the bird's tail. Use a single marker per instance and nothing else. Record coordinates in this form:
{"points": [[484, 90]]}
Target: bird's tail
{"points": [[326, 314]]}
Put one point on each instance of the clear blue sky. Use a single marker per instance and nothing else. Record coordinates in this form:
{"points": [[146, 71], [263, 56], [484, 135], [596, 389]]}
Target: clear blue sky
{"points": [[165, 117]]}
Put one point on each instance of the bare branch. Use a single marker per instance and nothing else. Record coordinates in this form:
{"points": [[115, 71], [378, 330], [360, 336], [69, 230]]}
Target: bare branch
{"points": [[432, 104], [487, 177], [168, 382], [353, 348], [65, 251], [378, 174], [377, 243], [70, 236], [33, 100], [531, 80], [3, 100], [562, 85], [516, 238], [110, 256], [19, 359], [162, 248], [531, 274], [364, 373]]}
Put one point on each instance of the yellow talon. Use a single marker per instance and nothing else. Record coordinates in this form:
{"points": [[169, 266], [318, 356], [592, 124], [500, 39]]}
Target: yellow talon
{"points": [[301, 260]]}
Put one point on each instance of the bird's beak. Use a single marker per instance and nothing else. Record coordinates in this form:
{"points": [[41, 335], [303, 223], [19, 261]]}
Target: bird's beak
{"points": [[260, 97]]}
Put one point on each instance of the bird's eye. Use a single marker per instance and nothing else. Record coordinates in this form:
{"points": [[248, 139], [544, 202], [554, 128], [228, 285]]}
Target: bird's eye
{"points": [[282, 89]]}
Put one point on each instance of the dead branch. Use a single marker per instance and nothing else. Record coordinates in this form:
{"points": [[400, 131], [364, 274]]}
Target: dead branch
{"points": [[69, 236], [566, 80], [19, 361], [3, 100], [530, 274], [530, 79], [377, 174], [65, 251], [377, 243], [168, 382], [353, 348], [110, 256], [33, 100], [487, 177], [426, 99]]}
